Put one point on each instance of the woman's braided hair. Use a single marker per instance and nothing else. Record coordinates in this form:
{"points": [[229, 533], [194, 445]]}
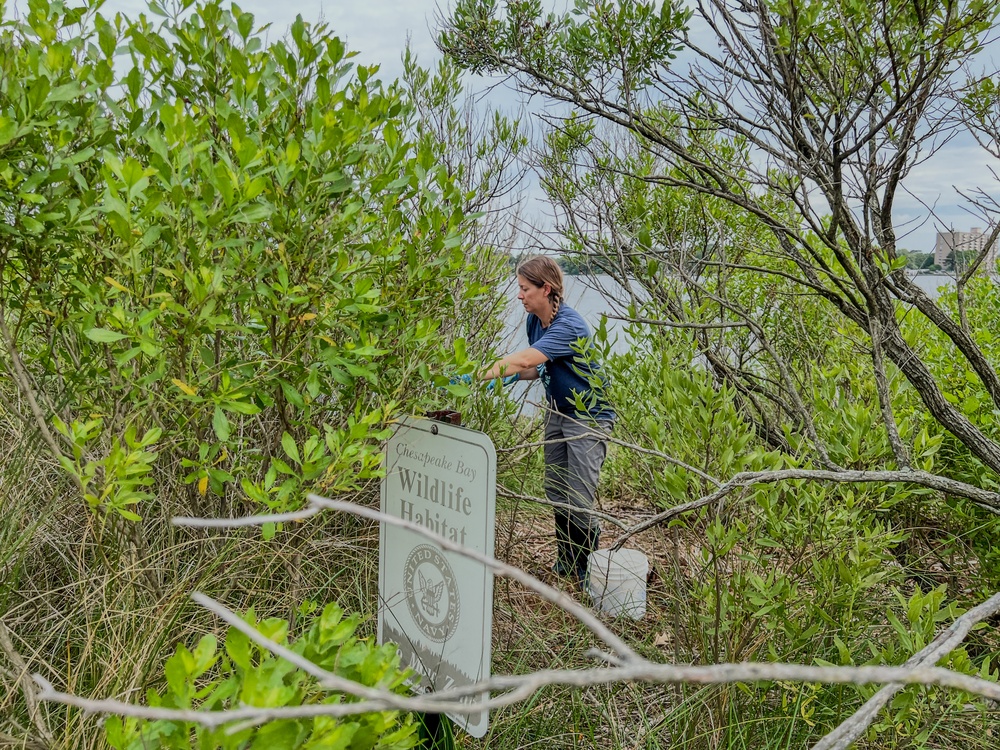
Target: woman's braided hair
{"points": [[541, 270]]}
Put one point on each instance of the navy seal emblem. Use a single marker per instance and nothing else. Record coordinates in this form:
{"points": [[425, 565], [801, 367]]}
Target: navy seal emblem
{"points": [[431, 593]]}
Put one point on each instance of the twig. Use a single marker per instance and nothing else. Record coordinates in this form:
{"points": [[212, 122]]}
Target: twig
{"points": [[676, 324], [983, 498], [231, 523], [884, 399], [668, 458], [23, 679], [24, 383], [543, 443], [852, 728], [617, 441]]}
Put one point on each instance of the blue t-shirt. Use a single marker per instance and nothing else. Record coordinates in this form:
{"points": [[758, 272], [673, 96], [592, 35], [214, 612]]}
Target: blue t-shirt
{"points": [[567, 373]]}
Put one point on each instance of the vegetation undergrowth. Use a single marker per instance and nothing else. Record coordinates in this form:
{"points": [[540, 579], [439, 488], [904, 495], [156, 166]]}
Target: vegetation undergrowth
{"points": [[242, 673], [228, 265], [217, 260]]}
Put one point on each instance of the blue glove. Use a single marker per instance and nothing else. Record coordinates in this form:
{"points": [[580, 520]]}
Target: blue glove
{"points": [[461, 379], [504, 381]]}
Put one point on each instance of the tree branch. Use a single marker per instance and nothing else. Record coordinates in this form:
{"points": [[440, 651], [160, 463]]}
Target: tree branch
{"points": [[27, 688], [24, 384], [949, 639]]}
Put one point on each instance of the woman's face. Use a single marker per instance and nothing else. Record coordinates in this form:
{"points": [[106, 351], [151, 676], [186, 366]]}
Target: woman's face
{"points": [[534, 298]]}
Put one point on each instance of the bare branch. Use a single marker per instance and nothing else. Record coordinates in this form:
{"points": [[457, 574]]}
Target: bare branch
{"points": [[24, 384], [949, 639], [618, 441], [27, 688], [518, 687], [679, 324], [884, 397], [503, 491], [983, 498], [232, 523]]}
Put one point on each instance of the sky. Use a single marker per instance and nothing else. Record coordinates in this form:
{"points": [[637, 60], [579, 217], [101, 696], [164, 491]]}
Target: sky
{"points": [[379, 29]]}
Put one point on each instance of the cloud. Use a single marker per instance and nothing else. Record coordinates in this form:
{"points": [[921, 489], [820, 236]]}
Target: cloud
{"points": [[376, 29], [938, 185]]}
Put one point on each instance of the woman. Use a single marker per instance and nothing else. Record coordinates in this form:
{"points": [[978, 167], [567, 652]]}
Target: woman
{"points": [[578, 418]]}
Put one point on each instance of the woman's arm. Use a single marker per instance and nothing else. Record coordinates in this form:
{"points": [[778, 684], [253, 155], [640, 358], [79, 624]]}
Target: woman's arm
{"points": [[530, 373], [522, 363]]}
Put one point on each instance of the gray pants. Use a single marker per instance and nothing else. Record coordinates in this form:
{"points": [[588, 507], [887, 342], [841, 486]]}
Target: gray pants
{"points": [[574, 453]]}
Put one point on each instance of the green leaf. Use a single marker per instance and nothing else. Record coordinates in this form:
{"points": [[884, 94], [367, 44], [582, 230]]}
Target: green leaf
{"points": [[220, 424], [291, 449], [285, 735], [253, 214], [238, 648], [292, 395], [103, 335], [114, 732], [240, 407], [176, 672], [8, 129], [32, 225], [204, 654]]}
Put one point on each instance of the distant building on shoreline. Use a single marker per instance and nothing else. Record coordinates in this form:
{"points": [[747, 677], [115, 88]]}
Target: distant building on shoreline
{"points": [[965, 246]]}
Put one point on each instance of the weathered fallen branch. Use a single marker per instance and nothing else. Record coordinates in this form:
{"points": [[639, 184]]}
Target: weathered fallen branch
{"points": [[985, 499], [522, 686], [21, 676], [949, 639], [625, 664]]}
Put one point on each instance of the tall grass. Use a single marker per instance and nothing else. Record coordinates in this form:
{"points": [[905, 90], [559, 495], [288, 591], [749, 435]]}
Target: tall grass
{"points": [[97, 610]]}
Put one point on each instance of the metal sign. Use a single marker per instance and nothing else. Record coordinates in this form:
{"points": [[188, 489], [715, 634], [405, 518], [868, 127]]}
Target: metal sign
{"points": [[435, 604]]}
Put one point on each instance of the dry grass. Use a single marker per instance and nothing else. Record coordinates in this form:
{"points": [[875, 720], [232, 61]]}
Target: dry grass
{"points": [[98, 608]]}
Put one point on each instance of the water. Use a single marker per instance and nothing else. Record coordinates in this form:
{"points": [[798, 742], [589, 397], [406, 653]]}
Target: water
{"points": [[596, 296], [931, 283]]}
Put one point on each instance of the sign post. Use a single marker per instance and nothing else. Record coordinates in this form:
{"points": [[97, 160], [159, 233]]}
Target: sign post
{"points": [[437, 605]]}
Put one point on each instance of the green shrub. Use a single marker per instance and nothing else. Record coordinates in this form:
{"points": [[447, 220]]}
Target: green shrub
{"points": [[246, 674], [227, 264], [241, 251]]}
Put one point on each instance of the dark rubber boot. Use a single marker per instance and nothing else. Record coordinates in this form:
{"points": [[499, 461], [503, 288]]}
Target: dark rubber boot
{"points": [[564, 565], [583, 541]]}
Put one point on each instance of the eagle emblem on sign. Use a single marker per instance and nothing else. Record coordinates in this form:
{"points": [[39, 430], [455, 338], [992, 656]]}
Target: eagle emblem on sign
{"points": [[431, 598], [431, 590]]}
